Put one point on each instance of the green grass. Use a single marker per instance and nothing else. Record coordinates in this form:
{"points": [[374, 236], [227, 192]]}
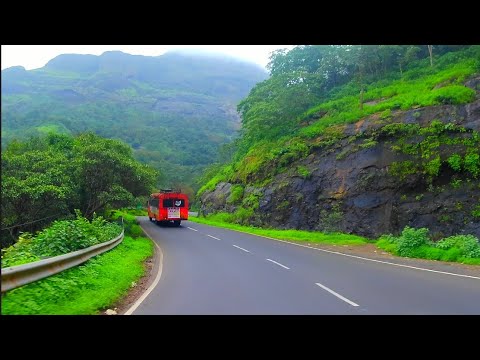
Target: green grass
{"points": [[443, 87], [291, 235], [85, 289]]}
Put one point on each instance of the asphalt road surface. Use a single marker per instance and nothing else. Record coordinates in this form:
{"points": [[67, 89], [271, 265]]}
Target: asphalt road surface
{"points": [[209, 270]]}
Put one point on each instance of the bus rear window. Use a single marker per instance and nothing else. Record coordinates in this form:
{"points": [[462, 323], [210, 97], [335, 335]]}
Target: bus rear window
{"points": [[173, 203], [154, 202]]}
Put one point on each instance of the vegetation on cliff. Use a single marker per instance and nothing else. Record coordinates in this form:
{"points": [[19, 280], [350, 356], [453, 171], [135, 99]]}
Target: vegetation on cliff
{"points": [[315, 90]]}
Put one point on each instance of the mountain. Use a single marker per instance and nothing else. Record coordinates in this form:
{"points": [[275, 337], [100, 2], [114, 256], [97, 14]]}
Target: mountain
{"points": [[175, 110], [358, 139]]}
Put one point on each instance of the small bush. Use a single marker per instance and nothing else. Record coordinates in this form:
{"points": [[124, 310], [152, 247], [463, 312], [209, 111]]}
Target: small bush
{"points": [[415, 243], [236, 194], [242, 215], [330, 220], [467, 245], [303, 171], [472, 164], [411, 239], [19, 253], [476, 212], [134, 230], [251, 201], [455, 162]]}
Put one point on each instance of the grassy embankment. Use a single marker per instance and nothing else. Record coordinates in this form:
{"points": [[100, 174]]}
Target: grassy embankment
{"points": [[89, 288]]}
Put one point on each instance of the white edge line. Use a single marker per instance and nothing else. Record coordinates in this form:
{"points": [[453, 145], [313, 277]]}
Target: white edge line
{"points": [[154, 284], [213, 237], [278, 264], [192, 228], [355, 256], [238, 247], [337, 295]]}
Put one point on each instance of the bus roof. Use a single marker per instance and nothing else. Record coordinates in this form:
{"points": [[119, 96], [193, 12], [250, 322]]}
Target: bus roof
{"points": [[175, 193]]}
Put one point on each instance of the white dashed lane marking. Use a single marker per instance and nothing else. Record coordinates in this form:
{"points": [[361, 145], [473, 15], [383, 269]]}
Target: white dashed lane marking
{"points": [[273, 261], [337, 295], [238, 247]]}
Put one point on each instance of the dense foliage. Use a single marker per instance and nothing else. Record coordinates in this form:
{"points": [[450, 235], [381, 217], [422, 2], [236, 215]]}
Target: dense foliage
{"points": [[416, 243], [61, 237], [47, 177], [175, 110]]}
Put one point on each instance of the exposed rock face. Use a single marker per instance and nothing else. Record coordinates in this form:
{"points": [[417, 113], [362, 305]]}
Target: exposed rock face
{"points": [[357, 193]]}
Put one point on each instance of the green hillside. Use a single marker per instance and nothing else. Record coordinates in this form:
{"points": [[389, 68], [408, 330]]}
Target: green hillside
{"points": [[175, 110], [314, 90], [358, 139]]}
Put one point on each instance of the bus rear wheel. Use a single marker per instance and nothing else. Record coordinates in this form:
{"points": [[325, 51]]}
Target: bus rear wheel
{"points": [[177, 222]]}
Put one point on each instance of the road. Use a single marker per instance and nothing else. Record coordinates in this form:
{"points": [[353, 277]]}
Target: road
{"points": [[209, 270]]}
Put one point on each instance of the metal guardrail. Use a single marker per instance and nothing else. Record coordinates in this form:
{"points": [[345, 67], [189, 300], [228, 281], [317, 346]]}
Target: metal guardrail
{"points": [[15, 276]]}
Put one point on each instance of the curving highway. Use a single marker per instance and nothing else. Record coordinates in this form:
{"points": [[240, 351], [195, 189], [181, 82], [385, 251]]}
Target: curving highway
{"points": [[209, 270]]}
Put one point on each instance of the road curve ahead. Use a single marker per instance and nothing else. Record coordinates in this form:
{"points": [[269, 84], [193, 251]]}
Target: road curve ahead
{"points": [[209, 270]]}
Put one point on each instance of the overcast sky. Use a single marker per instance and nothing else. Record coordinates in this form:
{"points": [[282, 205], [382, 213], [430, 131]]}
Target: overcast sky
{"points": [[36, 56]]}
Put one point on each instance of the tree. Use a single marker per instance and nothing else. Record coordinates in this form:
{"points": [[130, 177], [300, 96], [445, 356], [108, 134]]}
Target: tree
{"points": [[48, 177], [430, 51], [272, 108], [108, 174], [37, 184], [408, 54]]}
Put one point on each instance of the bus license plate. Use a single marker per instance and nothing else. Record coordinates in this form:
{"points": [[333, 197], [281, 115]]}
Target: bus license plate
{"points": [[173, 213]]}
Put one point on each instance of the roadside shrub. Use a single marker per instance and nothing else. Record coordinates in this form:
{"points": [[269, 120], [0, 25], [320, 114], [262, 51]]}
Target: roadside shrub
{"points": [[415, 243], [467, 245], [133, 230], [19, 253], [62, 237], [411, 239], [71, 235]]}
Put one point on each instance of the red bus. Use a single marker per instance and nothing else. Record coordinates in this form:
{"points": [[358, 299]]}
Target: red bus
{"points": [[168, 206]]}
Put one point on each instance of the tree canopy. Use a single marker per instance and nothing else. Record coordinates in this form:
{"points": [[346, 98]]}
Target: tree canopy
{"points": [[47, 177]]}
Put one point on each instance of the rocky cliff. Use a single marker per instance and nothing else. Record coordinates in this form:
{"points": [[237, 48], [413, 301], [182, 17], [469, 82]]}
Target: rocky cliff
{"points": [[418, 168]]}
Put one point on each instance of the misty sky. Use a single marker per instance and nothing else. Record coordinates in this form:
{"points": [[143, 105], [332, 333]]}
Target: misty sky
{"points": [[36, 56]]}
